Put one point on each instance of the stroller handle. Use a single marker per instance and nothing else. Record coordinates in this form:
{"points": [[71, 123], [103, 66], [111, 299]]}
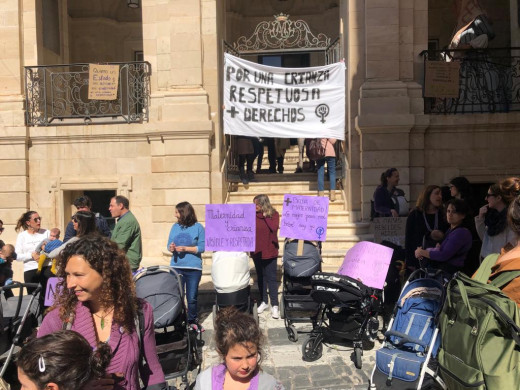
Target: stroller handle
{"points": [[404, 338]]}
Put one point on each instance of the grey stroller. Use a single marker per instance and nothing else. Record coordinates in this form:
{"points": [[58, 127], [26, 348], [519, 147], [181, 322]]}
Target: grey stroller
{"points": [[179, 349]]}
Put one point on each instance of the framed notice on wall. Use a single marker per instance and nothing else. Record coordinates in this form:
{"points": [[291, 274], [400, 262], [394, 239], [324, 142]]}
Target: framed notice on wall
{"points": [[441, 79]]}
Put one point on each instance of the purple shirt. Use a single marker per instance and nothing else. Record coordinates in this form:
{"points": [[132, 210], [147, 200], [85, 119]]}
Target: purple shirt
{"points": [[454, 248], [125, 347]]}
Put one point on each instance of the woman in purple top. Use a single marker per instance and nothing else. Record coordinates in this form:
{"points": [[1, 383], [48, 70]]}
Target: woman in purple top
{"points": [[451, 253], [98, 299]]}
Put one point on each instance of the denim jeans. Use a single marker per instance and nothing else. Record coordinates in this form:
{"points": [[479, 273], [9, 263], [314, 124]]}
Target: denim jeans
{"points": [[266, 278], [190, 281], [331, 167]]}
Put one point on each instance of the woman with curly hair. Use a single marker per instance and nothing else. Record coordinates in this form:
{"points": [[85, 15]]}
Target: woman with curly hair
{"points": [[239, 343], [187, 243], [266, 253], [491, 221], [61, 361], [97, 299]]}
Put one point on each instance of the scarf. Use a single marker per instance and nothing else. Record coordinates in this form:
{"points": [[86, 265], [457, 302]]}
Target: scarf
{"points": [[495, 221]]}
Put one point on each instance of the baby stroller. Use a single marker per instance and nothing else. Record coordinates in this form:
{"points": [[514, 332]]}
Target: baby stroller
{"points": [[407, 358], [301, 260], [19, 317], [348, 311], [179, 349], [231, 277]]}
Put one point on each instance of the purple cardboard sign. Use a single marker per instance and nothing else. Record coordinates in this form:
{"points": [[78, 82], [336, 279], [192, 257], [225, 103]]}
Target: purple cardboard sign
{"points": [[367, 262], [304, 217], [231, 227], [50, 291]]}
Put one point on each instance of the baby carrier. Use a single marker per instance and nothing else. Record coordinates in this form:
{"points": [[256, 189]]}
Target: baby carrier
{"points": [[348, 311], [231, 278], [179, 349], [301, 260], [407, 359]]}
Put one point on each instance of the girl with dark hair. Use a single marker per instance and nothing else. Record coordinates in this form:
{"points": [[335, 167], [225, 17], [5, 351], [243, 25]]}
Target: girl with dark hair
{"points": [[26, 243], [97, 299], [187, 243], [384, 206], [451, 254], [265, 255], [426, 224], [491, 221], [61, 361], [239, 343]]}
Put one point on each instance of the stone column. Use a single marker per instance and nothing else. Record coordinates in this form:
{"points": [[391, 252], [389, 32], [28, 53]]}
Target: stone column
{"points": [[14, 195]]}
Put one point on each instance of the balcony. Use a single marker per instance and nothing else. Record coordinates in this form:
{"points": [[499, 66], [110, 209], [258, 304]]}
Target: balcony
{"points": [[57, 95], [489, 81]]}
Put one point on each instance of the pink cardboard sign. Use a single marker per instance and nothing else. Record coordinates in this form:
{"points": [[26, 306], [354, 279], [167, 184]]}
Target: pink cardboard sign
{"points": [[230, 227], [304, 217], [367, 262], [50, 291]]}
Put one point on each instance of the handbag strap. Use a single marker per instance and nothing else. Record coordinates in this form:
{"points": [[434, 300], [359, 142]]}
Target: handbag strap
{"points": [[504, 278]]}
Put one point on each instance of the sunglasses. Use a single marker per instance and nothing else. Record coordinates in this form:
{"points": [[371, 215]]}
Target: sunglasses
{"points": [[2, 229], [74, 219], [490, 195], [37, 219]]}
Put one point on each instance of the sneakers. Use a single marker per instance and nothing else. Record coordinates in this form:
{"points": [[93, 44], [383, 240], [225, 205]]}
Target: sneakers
{"points": [[262, 307], [275, 313]]}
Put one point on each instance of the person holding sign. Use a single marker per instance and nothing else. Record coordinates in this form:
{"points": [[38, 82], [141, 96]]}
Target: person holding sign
{"points": [[266, 253], [187, 243], [451, 254]]}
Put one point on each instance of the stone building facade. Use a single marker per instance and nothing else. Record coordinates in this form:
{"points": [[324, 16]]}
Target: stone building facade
{"points": [[179, 151]]}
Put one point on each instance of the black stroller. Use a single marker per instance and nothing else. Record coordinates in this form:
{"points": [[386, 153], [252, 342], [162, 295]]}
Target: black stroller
{"points": [[301, 260], [348, 311], [231, 277], [179, 349], [19, 317]]}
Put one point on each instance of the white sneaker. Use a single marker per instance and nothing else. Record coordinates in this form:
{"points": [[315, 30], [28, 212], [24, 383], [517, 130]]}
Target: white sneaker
{"points": [[262, 307], [275, 313]]}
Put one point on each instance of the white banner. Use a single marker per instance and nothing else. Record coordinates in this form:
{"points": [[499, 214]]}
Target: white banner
{"points": [[266, 101]]}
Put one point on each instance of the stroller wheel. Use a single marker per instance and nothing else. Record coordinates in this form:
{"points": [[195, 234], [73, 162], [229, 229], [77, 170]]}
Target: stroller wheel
{"points": [[292, 334], [312, 349], [358, 352]]}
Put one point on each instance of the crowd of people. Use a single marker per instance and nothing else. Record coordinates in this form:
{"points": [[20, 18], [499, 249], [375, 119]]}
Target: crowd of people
{"points": [[97, 305], [449, 231], [93, 316]]}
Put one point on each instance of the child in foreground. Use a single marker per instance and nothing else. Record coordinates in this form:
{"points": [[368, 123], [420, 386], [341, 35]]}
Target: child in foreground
{"points": [[239, 342], [63, 360]]}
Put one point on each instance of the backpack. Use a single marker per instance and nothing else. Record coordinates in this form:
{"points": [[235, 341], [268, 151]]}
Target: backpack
{"points": [[480, 332], [315, 150]]}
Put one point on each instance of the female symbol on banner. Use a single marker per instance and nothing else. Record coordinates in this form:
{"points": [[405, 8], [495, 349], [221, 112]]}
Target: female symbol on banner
{"points": [[319, 232], [322, 111]]}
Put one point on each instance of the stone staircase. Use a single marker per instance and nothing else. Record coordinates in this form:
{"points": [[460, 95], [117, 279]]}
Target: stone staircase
{"points": [[341, 233]]}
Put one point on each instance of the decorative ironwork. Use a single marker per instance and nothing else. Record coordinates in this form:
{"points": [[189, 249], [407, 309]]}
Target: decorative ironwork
{"points": [[282, 34], [489, 81], [58, 94]]}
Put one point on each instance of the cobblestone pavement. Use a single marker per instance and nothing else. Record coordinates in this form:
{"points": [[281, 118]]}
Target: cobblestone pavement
{"points": [[283, 358]]}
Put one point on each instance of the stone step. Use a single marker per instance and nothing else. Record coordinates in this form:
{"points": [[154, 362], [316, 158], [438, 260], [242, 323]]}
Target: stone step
{"points": [[338, 205], [278, 195]]}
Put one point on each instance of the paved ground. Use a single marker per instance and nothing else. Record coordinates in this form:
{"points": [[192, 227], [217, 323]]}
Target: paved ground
{"points": [[283, 358]]}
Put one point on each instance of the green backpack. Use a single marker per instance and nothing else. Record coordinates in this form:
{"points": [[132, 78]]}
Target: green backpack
{"points": [[479, 324]]}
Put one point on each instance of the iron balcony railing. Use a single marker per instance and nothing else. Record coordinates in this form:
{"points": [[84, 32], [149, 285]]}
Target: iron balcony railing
{"points": [[58, 95], [489, 81]]}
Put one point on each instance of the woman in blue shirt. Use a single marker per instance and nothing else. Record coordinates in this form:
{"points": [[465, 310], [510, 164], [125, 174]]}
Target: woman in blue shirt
{"points": [[186, 242]]}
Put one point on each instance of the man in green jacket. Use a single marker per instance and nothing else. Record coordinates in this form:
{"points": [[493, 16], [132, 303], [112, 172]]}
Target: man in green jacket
{"points": [[127, 233]]}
